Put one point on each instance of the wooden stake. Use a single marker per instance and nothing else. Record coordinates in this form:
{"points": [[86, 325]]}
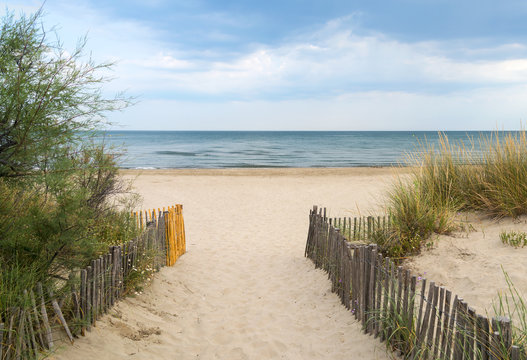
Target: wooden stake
{"points": [[58, 312], [37, 319], [44, 313], [1, 340]]}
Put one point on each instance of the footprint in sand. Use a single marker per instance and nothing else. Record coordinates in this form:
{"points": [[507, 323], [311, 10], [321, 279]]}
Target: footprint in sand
{"points": [[127, 331]]}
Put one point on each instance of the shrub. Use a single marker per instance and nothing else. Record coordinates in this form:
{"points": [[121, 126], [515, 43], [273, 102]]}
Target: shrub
{"points": [[50, 99], [57, 185]]}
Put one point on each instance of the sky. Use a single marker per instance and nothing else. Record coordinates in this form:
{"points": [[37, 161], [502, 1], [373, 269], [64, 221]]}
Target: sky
{"points": [[305, 65]]}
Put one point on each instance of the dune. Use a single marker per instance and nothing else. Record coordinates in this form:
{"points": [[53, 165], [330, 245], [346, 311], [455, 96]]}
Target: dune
{"points": [[472, 263], [243, 290]]}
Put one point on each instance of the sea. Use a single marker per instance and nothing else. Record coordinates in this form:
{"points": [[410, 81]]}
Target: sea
{"points": [[271, 149]]}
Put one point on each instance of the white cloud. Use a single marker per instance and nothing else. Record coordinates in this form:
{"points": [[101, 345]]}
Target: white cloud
{"points": [[333, 58], [160, 61], [330, 59], [318, 80], [482, 109], [17, 7]]}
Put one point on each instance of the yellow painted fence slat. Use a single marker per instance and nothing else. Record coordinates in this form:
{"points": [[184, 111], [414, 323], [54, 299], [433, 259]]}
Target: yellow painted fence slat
{"points": [[174, 229]]}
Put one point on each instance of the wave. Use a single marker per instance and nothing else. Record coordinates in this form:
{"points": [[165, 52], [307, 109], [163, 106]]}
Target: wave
{"points": [[245, 165], [177, 153]]}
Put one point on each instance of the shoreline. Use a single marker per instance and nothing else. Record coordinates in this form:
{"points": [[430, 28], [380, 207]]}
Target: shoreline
{"points": [[311, 171]]}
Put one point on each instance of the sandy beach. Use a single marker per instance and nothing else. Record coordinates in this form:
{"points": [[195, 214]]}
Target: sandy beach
{"points": [[472, 263], [246, 115], [243, 290]]}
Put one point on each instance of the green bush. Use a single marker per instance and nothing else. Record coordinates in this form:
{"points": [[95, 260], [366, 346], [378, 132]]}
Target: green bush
{"points": [[58, 186]]}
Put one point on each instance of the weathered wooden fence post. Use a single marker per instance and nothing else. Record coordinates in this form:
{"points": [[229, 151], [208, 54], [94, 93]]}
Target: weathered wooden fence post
{"points": [[375, 290]]}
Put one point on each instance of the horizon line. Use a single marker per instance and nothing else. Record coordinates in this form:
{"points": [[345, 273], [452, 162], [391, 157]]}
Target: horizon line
{"points": [[241, 130]]}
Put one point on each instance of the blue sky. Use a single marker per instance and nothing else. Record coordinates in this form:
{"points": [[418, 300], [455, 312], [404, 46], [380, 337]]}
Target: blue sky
{"points": [[306, 65]]}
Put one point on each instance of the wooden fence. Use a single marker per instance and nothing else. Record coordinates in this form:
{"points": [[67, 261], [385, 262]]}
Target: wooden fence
{"points": [[418, 319], [27, 332], [175, 229], [362, 227]]}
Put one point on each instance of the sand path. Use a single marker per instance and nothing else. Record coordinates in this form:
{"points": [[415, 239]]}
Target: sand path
{"points": [[244, 289]]}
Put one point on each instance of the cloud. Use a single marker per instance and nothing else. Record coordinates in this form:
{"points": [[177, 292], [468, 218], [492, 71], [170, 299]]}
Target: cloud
{"points": [[160, 61], [335, 76], [482, 109], [335, 58], [17, 7], [326, 62]]}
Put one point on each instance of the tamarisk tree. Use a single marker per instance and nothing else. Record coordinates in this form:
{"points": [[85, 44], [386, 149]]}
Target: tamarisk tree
{"points": [[57, 183], [48, 97]]}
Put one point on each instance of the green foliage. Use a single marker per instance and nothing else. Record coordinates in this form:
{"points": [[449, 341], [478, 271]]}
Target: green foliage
{"points": [[513, 238], [51, 238], [142, 272], [47, 98], [61, 199], [493, 180], [14, 279], [502, 178]]}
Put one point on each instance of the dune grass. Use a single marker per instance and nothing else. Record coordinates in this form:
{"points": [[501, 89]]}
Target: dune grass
{"points": [[401, 330], [511, 304], [490, 178]]}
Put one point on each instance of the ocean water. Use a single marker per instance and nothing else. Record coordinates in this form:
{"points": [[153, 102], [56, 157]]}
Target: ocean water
{"points": [[268, 149]]}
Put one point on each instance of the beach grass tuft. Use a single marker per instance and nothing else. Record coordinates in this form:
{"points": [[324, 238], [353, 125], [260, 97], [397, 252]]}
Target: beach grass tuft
{"points": [[448, 178], [511, 304], [513, 238]]}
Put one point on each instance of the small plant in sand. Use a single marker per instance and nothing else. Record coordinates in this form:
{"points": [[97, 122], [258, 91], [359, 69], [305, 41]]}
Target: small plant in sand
{"points": [[398, 329], [513, 238], [511, 304], [141, 274]]}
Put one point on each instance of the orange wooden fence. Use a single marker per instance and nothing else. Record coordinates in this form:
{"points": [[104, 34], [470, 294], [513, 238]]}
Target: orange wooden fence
{"points": [[174, 229]]}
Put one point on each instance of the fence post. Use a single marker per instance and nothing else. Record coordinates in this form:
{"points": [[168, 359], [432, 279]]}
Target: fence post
{"points": [[59, 314], [482, 334], [1, 340], [379, 279], [371, 289], [502, 337], [421, 340], [44, 313], [115, 264], [84, 301], [386, 296], [369, 286]]}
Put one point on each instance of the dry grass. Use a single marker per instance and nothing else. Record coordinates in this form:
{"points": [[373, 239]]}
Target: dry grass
{"points": [[448, 178]]}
